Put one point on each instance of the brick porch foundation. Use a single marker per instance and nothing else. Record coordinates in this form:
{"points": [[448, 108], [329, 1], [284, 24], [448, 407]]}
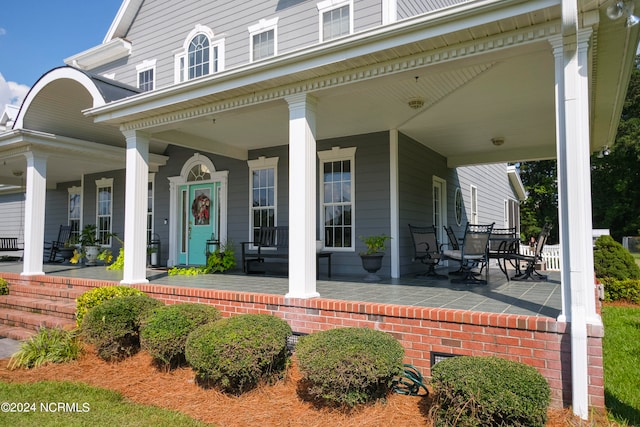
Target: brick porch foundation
{"points": [[543, 343]]}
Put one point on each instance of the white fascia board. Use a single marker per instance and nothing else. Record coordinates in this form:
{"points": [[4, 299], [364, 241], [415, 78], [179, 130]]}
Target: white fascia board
{"points": [[100, 55], [516, 182], [399, 33], [123, 20]]}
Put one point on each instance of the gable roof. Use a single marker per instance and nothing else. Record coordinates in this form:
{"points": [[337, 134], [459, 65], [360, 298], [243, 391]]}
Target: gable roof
{"points": [[123, 20]]}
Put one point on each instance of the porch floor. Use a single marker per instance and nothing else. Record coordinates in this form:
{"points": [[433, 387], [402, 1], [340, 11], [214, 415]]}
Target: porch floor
{"points": [[499, 296]]}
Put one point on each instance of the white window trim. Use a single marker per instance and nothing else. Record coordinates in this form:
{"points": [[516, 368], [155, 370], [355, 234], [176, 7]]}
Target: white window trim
{"points": [[147, 64], [442, 183], [474, 217], [181, 73], [104, 183], [262, 26], [336, 154], [329, 5], [75, 190], [152, 181], [259, 164]]}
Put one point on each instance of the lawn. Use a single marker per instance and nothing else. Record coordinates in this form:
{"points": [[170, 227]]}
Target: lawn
{"points": [[54, 403], [621, 347]]}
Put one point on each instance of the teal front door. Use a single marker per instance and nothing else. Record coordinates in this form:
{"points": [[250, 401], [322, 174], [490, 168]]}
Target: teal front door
{"points": [[199, 221]]}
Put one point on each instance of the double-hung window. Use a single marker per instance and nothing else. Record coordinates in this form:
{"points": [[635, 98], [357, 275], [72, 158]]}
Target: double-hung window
{"points": [[146, 75], [150, 207], [337, 169], [263, 173], [474, 204], [74, 212], [264, 39], [202, 54], [336, 19], [104, 212]]}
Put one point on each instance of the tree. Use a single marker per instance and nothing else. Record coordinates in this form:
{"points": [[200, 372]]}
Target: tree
{"points": [[541, 206], [615, 178]]}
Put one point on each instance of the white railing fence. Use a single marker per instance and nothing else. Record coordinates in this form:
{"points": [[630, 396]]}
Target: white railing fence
{"points": [[550, 254]]}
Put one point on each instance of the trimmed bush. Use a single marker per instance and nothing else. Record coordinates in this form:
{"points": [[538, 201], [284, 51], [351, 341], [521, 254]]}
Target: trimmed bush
{"points": [[238, 352], [97, 296], [4, 287], [48, 345], [611, 259], [621, 290], [488, 391], [349, 366], [164, 332], [113, 326]]}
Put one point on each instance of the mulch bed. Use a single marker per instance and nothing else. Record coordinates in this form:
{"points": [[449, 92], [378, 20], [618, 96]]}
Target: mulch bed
{"points": [[138, 379]]}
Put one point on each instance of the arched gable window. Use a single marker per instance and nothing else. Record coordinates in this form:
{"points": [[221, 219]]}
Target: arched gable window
{"points": [[201, 54], [198, 56]]}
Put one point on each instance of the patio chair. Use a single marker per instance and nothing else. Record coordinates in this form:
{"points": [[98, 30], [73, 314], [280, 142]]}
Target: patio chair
{"points": [[531, 260], [56, 247], [426, 249], [473, 254], [454, 244]]}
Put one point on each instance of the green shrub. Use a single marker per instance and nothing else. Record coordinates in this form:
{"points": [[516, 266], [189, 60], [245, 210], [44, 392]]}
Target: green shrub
{"points": [[113, 326], [236, 353], [488, 391], [97, 296], [164, 332], [48, 345], [349, 366], [611, 259], [4, 287], [222, 259], [621, 290]]}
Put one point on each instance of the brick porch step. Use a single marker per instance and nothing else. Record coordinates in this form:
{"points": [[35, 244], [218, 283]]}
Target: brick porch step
{"points": [[61, 308], [42, 292], [16, 333], [32, 321]]}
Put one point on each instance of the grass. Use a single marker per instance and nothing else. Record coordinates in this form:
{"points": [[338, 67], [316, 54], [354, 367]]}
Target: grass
{"points": [[621, 349], [82, 405]]}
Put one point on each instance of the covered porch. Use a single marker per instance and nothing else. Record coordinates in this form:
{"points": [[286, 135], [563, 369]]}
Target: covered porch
{"points": [[432, 319], [528, 298]]}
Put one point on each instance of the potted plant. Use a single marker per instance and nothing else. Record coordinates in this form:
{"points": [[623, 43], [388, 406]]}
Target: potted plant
{"points": [[372, 257], [89, 242]]}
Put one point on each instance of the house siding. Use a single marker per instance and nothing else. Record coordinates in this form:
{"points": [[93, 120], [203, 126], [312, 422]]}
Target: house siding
{"points": [[12, 218], [371, 185], [409, 8], [417, 166], [155, 37]]}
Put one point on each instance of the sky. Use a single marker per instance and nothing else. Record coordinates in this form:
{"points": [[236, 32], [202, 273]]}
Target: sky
{"points": [[38, 35]]}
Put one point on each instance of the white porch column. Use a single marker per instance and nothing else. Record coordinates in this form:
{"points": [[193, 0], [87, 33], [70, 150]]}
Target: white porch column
{"points": [[135, 206], [302, 196], [574, 183], [36, 193], [394, 202]]}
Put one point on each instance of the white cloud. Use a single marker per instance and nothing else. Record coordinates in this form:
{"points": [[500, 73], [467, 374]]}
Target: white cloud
{"points": [[11, 92], [2, 31]]}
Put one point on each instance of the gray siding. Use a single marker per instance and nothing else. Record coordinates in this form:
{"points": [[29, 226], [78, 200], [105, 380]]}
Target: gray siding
{"points": [[156, 34], [417, 166], [372, 188], [409, 8], [12, 217]]}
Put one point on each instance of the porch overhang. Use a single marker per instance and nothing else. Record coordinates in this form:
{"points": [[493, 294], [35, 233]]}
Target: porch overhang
{"points": [[484, 69]]}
